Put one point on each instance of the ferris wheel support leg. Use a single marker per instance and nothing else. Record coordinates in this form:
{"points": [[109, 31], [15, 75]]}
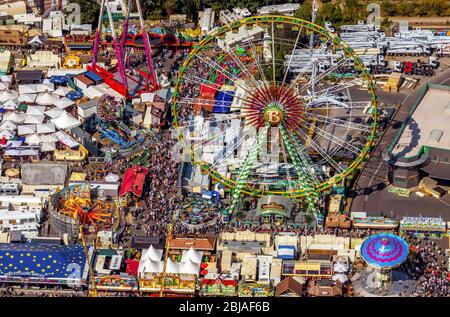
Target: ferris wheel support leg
{"points": [[97, 34], [148, 50], [245, 171], [306, 182], [123, 36]]}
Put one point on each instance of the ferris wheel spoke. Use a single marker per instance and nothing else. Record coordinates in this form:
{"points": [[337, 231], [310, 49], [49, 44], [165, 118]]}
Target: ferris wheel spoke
{"points": [[224, 72], [214, 119], [219, 136], [339, 122], [257, 60], [308, 64], [273, 55], [291, 57], [231, 149], [319, 150], [212, 85], [333, 89], [243, 69], [352, 106], [334, 139], [315, 80]]}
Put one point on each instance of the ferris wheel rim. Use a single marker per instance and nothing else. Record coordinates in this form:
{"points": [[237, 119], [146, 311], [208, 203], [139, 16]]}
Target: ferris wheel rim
{"points": [[349, 53]]}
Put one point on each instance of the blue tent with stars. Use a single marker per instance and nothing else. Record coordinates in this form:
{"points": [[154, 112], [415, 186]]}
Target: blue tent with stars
{"points": [[46, 262]]}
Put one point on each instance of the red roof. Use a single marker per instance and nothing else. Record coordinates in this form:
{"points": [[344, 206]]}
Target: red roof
{"points": [[208, 89], [132, 267], [133, 181], [226, 282]]}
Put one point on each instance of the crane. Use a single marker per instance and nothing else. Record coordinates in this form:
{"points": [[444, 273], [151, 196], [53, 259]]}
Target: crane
{"points": [[93, 292], [166, 257]]}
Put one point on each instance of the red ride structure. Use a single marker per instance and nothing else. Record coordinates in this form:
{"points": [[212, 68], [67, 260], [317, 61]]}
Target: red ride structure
{"points": [[127, 82]]}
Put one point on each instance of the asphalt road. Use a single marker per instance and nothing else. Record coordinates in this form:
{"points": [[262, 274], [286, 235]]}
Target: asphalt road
{"points": [[370, 193]]}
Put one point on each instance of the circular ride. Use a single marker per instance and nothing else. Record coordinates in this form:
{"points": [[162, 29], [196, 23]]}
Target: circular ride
{"points": [[273, 105], [384, 251], [76, 203], [108, 108], [198, 213]]}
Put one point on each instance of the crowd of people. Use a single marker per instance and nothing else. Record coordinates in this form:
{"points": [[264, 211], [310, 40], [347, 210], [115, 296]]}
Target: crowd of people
{"points": [[429, 268]]}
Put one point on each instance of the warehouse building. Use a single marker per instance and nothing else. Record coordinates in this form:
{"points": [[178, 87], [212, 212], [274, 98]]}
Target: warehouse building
{"points": [[422, 145]]}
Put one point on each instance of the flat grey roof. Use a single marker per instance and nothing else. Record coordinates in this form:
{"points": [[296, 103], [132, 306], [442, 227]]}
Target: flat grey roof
{"points": [[44, 173], [422, 127]]}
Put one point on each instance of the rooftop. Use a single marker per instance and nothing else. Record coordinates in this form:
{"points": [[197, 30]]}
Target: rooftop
{"points": [[428, 125]]}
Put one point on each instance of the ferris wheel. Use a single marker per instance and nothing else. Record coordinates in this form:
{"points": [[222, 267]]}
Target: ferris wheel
{"points": [[274, 105]]}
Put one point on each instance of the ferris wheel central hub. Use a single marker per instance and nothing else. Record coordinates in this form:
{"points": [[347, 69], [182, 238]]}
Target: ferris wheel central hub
{"points": [[273, 114], [274, 105]]}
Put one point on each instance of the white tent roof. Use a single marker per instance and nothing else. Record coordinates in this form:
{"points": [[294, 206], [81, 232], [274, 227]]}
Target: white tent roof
{"points": [[62, 91], [8, 125], [33, 139], [189, 267], [100, 90], [36, 40], [151, 267], [192, 255], [6, 78], [28, 89], [46, 128], [340, 267], [152, 254], [66, 121], [7, 94], [111, 177], [10, 105], [34, 119], [49, 138], [46, 86], [12, 144], [18, 117], [36, 110], [54, 112], [172, 267], [64, 103], [7, 134], [46, 99], [27, 98], [340, 277], [48, 147], [26, 129]]}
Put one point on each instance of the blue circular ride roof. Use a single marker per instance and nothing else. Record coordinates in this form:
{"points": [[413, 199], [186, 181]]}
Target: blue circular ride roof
{"points": [[384, 250]]}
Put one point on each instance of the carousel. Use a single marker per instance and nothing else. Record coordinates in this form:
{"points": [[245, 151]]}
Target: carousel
{"points": [[74, 207], [198, 212], [383, 253]]}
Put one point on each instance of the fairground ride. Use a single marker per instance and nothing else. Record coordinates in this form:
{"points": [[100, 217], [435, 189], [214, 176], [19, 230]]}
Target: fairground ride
{"points": [[77, 204], [264, 108], [128, 81]]}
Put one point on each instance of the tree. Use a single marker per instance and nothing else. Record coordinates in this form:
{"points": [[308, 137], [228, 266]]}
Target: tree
{"points": [[388, 7], [404, 8], [329, 13], [90, 11], [386, 23], [304, 12]]}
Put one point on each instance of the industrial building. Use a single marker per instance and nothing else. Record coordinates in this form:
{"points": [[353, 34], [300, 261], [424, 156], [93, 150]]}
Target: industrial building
{"points": [[422, 145]]}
